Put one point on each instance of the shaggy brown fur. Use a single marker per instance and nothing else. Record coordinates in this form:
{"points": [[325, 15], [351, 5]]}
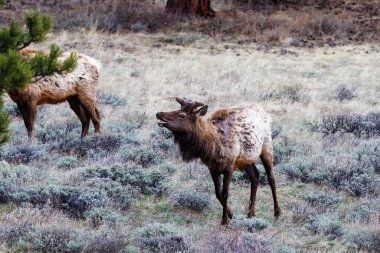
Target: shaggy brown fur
{"points": [[231, 139], [77, 88]]}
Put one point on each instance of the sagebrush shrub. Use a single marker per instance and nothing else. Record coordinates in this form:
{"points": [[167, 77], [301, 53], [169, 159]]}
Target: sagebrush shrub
{"points": [[301, 168], [159, 237], [366, 212], [236, 242], [106, 240], [326, 224], [22, 153], [143, 156], [241, 176], [119, 196], [140, 180], [72, 200], [365, 238], [285, 148], [343, 93], [67, 162], [251, 224], [103, 216], [322, 199], [192, 200], [12, 177], [109, 99], [362, 126]]}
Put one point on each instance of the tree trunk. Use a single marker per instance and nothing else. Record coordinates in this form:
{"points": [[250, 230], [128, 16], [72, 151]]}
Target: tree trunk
{"points": [[190, 7]]}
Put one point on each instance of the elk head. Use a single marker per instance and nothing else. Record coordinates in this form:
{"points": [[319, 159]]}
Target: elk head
{"points": [[183, 120]]}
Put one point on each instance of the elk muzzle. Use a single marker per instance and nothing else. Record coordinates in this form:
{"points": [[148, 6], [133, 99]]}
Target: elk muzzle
{"points": [[161, 122]]}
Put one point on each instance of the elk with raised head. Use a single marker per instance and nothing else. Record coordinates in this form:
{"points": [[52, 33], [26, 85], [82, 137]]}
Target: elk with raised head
{"points": [[77, 88], [232, 139]]}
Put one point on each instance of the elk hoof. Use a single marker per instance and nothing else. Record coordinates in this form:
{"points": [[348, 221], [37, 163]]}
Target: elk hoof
{"points": [[277, 213], [229, 213], [224, 222], [250, 214]]}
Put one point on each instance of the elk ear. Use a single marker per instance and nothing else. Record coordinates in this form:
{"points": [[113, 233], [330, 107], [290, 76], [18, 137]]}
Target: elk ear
{"points": [[201, 111]]}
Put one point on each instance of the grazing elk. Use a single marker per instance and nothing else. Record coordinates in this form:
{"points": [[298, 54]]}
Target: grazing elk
{"points": [[77, 88], [231, 139]]}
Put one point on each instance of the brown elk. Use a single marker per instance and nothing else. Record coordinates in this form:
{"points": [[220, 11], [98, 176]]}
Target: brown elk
{"points": [[77, 88], [232, 139]]}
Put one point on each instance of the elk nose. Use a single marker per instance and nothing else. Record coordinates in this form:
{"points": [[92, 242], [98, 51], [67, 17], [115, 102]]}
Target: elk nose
{"points": [[158, 114]]}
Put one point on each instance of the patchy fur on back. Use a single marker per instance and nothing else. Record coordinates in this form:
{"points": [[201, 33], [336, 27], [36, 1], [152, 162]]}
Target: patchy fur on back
{"points": [[56, 88]]}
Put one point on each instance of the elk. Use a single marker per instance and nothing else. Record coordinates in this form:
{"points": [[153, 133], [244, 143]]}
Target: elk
{"points": [[77, 88], [231, 139]]}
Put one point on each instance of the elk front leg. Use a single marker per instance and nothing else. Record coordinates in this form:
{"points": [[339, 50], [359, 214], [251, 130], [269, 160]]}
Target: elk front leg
{"points": [[218, 191], [226, 183], [253, 175]]}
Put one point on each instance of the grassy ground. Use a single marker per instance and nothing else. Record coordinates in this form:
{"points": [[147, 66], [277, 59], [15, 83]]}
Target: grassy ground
{"points": [[140, 76]]}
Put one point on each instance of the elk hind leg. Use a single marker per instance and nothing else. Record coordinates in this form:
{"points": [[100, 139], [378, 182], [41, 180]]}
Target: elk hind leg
{"points": [[28, 112], [82, 114], [89, 104], [267, 159], [253, 175]]}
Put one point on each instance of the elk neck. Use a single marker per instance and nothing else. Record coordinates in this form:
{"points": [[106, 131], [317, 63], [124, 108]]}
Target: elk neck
{"points": [[203, 142]]}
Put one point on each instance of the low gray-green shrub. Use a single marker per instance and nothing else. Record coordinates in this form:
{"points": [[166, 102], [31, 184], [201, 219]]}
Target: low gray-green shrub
{"points": [[343, 93], [142, 156], [251, 224], [162, 140], [192, 200], [285, 148], [108, 99], [362, 126], [72, 200], [21, 153], [326, 224], [322, 199], [236, 242], [67, 162], [103, 216], [142, 180], [12, 177], [368, 152], [168, 167], [52, 239], [106, 240], [341, 171], [241, 176], [365, 238], [366, 212], [23, 230], [301, 168], [119, 196], [11, 110], [159, 237]]}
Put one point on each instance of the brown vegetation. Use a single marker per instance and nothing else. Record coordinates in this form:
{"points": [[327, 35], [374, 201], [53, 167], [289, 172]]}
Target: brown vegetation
{"points": [[231, 139], [77, 88], [289, 23], [191, 7]]}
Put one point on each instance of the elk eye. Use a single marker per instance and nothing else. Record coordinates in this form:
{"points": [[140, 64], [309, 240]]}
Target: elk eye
{"points": [[182, 115]]}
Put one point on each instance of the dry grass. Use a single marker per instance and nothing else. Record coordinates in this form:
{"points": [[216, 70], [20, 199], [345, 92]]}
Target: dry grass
{"points": [[295, 85]]}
